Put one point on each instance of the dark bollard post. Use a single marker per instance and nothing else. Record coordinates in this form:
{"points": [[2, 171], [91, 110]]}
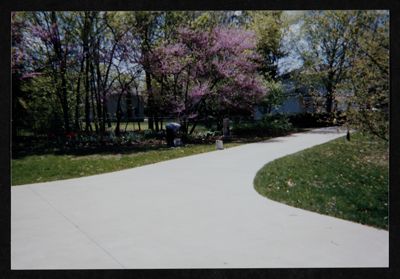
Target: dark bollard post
{"points": [[348, 135]]}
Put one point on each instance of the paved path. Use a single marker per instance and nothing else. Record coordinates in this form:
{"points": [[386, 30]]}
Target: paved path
{"points": [[195, 212]]}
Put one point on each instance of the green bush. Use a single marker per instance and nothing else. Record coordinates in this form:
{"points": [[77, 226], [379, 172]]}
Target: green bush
{"points": [[149, 134], [271, 125], [308, 120], [203, 137]]}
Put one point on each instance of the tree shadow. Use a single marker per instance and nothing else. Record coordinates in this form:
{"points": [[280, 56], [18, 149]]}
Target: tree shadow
{"points": [[29, 146], [43, 148], [328, 130]]}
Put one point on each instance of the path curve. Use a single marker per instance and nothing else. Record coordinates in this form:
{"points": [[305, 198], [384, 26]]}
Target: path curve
{"points": [[199, 211]]}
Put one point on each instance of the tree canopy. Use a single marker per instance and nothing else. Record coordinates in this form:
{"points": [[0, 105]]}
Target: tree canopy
{"points": [[191, 65]]}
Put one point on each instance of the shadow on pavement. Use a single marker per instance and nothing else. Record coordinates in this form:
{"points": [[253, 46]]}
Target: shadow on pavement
{"points": [[327, 130]]}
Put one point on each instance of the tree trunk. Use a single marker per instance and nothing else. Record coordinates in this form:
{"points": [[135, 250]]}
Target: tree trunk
{"points": [[184, 126], [92, 93], [87, 100], [119, 116], [61, 59], [65, 107], [193, 127], [78, 96], [129, 106], [329, 103], [156, 123], [100, 97], [96, 99], [330, 88], [129, 109], [150, 101], [219, 123], [138, 106], [85, 39]]}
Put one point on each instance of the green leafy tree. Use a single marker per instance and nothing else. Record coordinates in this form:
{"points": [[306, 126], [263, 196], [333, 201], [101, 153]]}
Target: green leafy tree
{"points": [[269, 27], [329, 46], [146, 27], [19, 98], [369, 74], [47, 49], [275, 97]]}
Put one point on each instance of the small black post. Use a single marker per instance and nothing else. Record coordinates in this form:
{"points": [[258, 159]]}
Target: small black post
{"points": [[348, 135]]}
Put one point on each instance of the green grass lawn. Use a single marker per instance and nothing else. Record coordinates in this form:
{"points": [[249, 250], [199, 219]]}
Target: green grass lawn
{"points": [[344, 179], [41, 168]]}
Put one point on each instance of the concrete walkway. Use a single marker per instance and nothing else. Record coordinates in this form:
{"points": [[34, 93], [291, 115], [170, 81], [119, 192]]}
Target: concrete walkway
{"points": [[195, 212]]}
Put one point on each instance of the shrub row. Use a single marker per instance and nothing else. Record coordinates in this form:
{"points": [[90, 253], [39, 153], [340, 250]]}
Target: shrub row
{"points": [[309, 120], [276, 125]]}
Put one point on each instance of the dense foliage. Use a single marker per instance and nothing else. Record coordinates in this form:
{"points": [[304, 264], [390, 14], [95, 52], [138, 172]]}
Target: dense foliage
{"points": [[193, 66], [370, 76], [208, 73], [277, 125], [346, 65], [68, 65]]}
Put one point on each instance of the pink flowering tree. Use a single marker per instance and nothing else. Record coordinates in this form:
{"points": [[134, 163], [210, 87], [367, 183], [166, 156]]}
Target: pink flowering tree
{"points": [[208, 74]]}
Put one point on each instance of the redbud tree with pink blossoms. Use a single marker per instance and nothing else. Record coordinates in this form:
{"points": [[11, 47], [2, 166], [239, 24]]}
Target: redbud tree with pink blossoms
{"points": [[207, 74]]}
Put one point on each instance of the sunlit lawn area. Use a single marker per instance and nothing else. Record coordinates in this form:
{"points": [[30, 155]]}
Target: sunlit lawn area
{"points": [[48, 167], [344, 179]]}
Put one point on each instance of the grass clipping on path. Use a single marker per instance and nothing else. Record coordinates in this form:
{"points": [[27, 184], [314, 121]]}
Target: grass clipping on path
{"points": [[42, 168], [345, 179]]}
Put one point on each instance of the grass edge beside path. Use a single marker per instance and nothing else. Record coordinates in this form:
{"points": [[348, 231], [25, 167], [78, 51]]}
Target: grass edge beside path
{"points": [[50, 167], [347, 180]]}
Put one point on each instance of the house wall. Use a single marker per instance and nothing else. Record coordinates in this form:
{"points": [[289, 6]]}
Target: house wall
{"points": [[298, 99], [292, 104]]}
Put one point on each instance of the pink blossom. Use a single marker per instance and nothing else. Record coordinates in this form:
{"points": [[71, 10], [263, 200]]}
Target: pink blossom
{"points": [[215, 66]]}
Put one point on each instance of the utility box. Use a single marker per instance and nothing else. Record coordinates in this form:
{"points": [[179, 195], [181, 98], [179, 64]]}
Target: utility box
{"points": [[172, 132]]}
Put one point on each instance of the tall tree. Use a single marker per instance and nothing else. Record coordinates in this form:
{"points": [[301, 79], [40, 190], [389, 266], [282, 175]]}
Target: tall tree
{"points": [[369, 74], [329, 44], [50, 47], [146, 27], [269, 28], [208, 72], [77, 50], [19, 106]]}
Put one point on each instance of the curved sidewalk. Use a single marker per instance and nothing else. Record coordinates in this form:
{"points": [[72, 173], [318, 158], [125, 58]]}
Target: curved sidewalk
{"points": [[199, 211]]}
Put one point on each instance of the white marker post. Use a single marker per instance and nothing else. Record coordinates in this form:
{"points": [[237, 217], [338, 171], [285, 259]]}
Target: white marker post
{"points": [[219, 144]]}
